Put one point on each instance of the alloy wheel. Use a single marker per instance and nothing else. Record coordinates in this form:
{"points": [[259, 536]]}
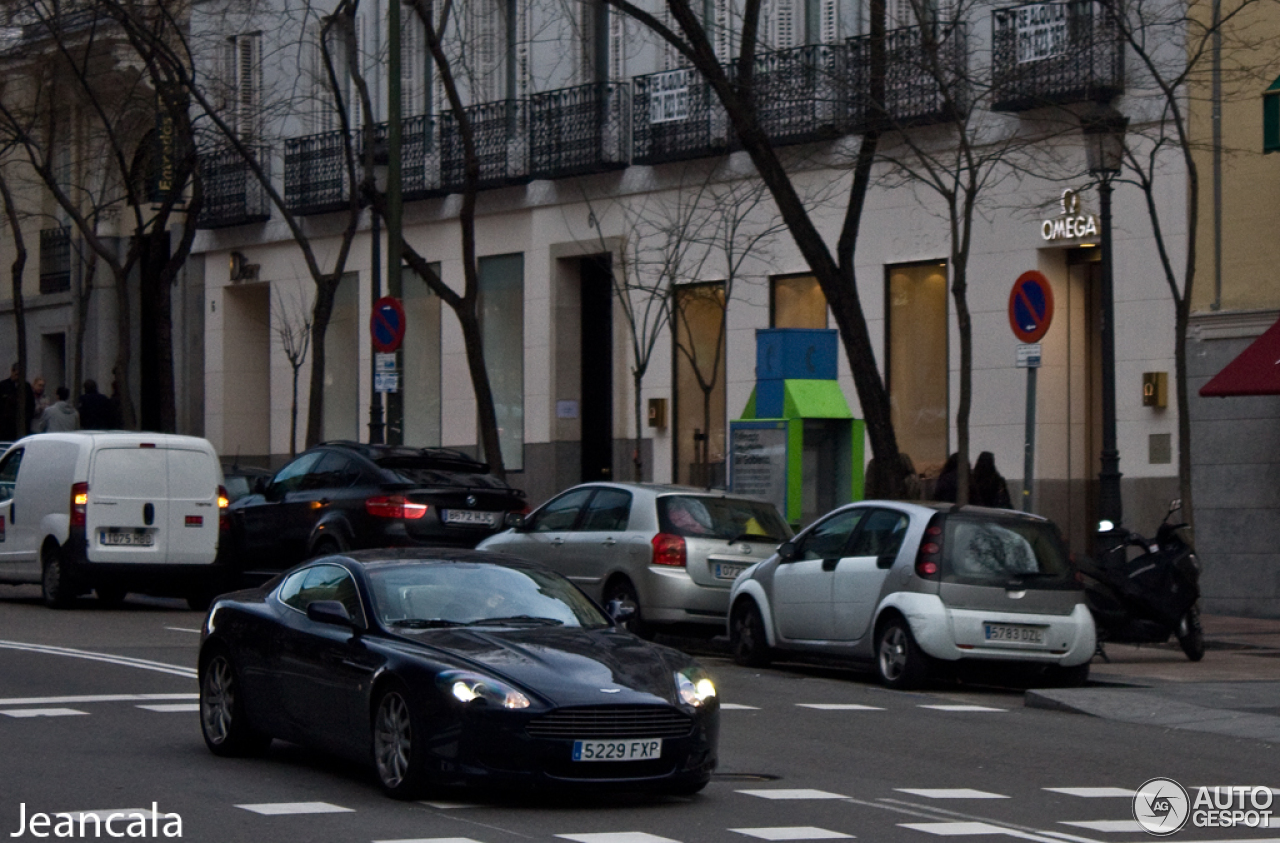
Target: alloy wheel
{"points": [[217, 703], [392, 739], [893, 653]]}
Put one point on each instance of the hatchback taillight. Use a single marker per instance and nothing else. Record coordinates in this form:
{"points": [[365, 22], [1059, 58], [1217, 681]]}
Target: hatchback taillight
{"points": [[79, 503], [929, 558], [669, 550], [394, 506]]}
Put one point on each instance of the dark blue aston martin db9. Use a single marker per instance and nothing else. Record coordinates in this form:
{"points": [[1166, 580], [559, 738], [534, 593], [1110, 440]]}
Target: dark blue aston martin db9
{"points": [[452, 667]]}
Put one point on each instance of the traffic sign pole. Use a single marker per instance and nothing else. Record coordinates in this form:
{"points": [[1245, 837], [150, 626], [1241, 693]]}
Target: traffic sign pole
{"points": [[1030, 313], [1029, 447]]}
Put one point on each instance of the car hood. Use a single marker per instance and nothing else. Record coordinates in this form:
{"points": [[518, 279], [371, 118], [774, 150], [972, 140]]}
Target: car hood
{"points": [[566, 666]]}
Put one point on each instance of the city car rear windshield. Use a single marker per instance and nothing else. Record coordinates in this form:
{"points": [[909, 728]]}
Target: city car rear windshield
{"points": [[413, 596], [730, 519], [425, 472], [986, 551]]}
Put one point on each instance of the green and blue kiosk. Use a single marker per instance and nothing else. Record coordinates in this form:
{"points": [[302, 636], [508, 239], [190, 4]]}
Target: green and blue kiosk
{"points": [[797, 443]]}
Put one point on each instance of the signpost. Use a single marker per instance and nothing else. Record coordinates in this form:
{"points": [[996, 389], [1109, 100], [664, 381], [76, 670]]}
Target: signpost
{"points": [[1030, 314], [386, 328]]}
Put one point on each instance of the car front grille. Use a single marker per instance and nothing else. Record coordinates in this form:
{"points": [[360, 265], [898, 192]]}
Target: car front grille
{"points": [[619, 721]]}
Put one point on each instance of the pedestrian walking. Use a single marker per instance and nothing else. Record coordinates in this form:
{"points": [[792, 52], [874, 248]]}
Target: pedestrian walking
{"points": [[59, 416], [17, 405], [96, 412], [43, 401], [992, 490], [949, 481]]}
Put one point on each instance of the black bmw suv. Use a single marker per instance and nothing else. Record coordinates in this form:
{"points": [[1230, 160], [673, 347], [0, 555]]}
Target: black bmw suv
{"points": [[348, 496]]}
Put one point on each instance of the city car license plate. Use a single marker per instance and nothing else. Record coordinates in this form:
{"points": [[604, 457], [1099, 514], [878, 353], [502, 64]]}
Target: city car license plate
{"points": [[728, 571], [138, 539], [1009, 632], [470, 516], [643, 749]]}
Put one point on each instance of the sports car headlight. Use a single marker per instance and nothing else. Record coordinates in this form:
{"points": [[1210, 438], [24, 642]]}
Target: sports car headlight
{"points": [[695, 687], [469, 687]]}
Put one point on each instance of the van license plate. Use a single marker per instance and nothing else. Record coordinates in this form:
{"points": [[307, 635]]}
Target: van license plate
{"points": [[470, 516], [634, 750], [726, 571], [125, 539], [1009, 632]]}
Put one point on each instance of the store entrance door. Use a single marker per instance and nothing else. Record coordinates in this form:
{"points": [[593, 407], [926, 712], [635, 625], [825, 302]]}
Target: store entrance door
{"points": [[597, 368], [1084, 396]]}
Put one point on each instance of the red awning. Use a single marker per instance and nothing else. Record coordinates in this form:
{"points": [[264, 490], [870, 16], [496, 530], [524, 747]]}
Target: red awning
{"points": [[1256, 371]]}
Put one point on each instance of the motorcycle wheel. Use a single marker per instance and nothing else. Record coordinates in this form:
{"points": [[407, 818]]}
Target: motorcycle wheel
{"points": [[1191, 635]]}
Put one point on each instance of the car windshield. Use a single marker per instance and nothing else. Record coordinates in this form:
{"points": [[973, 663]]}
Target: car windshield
{"points": [[426, 472], [431, 595], [981, 550], [237, 486], [731, 519]]}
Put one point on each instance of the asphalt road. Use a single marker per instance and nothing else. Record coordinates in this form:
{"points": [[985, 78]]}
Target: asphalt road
{"points": [[98, 713]]}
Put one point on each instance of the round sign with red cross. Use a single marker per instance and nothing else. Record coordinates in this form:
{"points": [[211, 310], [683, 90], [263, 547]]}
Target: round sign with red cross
{"points": [[1031, 306], [386, 325]]}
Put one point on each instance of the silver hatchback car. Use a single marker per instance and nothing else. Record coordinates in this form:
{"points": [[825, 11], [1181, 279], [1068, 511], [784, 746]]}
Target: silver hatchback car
{"points": [[669, 553]]}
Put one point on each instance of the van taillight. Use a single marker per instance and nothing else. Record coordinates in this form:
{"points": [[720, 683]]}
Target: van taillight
{"points": [[394, 506], [79, 503], [929, 558], [224, 501], [669, 550]]}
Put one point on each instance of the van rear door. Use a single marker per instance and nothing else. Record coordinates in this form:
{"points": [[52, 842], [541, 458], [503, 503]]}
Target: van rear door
{"points": [[127, 518], [193, 507]]}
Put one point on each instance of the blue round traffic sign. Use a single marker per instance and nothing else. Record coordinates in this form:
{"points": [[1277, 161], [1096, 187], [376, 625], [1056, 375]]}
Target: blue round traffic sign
{"points": [[386, 324], [1031, 306]]}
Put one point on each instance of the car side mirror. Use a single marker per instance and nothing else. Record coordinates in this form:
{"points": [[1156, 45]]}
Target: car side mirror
{"points": [[330, 612], [787, 551], [620, 612], [515, 520], [260, 485], [273, 492]]}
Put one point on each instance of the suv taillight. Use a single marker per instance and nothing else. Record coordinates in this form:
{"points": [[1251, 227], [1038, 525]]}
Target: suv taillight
{"points": [[79, 503], [929, 558], [394, 506], [224, 501], [669, 550]]}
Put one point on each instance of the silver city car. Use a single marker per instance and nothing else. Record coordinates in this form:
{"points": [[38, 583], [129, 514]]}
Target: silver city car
{"points": [[669, 553]]}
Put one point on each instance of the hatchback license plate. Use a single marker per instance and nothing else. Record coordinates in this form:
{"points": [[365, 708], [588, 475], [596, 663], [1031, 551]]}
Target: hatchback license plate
{"points": [[470, 516], [1009, 632], [644, 749], [125, 539], [728, 571]]}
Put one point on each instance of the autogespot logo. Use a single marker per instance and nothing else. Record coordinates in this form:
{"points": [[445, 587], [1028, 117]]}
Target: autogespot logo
{"points": [[1161, 806]]}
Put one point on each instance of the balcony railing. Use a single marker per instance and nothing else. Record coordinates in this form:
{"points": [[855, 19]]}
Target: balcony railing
{"points": [[501, 134], [802, 94], [419, 157], [580, 130], [55, 260], [926, 77], [676, 116], [1055, 53], [233, 195], [315, 174]]}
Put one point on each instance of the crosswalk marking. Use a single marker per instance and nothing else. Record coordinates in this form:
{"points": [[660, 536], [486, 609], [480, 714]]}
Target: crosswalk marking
{"points": [[839, 707], [41, 712], [957, 829], [618, 837], [1093, 792], [800, 832], [950, 793], [90, 698], [793, 793], [272, 809], [171, 707], [1108, 826], [963, 708]]}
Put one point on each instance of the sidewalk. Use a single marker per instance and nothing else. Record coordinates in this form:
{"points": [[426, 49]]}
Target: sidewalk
{"points": [[1234, 690]]}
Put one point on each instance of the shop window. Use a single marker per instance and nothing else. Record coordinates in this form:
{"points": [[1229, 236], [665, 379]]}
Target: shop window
{"points": [[699, 428], [916, 361], [502, 330], [797, 301]]}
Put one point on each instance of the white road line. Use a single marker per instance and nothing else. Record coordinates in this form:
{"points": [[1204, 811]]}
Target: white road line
{"points": [[950, 793], [171, 707], [123, 661], [955, 829], [799, 832], [839, 707], [1093, 792], [738, 707], [1108, 826], [182, 629], [448, 806], [782, 793], [273, 809], [618, 837], [431, 840], [963, 708], [41, 712], [96, 698]]}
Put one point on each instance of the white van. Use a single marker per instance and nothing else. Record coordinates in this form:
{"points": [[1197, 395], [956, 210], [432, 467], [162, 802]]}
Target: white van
{"points": [[111, 512]]}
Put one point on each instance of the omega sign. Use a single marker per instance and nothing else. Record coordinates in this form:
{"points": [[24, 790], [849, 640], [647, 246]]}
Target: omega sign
{"points": [[1072, 224]]}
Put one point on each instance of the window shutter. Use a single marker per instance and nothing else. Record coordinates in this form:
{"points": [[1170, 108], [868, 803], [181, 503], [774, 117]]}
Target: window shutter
{"points": [[617, 47], [723, 31], [522, 49], [412, 44], [830, 23], [782, 24], [249, 85], [227, 83]]}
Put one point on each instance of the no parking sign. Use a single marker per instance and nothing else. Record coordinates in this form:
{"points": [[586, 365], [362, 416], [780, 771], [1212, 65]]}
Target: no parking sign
{"points": [[386, 324], [1031, 306]]}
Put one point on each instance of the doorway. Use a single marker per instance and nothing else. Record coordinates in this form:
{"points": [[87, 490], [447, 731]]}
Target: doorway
{"points": [[596, 402], [1084, 395], [53, 362]]}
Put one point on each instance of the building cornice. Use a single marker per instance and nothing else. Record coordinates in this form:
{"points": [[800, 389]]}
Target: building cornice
{"points": [[1232, 324]]}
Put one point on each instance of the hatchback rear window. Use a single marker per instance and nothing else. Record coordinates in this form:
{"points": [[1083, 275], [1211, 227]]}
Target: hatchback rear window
{"points": [[730, 519], [431, 473], [982, 551]]}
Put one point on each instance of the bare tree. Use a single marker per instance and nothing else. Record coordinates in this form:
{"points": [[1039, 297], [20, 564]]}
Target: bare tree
{"points": [[291, 323], [15, 273]]}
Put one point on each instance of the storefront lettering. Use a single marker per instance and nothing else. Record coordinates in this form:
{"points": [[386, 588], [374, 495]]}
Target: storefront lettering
{"points": [[1072, 224]]}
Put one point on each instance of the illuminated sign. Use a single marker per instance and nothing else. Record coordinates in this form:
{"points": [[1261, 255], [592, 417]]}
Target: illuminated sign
{"points": [[1072, 224]]}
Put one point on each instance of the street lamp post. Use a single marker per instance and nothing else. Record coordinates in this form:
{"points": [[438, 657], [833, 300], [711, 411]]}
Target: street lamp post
{"points": [[1104, 129]]}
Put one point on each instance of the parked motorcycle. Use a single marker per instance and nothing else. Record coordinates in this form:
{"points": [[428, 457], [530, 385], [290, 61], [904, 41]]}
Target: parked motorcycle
{"points": [[1143, 597]]}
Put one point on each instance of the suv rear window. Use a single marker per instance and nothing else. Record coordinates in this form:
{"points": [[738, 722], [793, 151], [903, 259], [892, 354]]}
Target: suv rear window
{"points": [[987, 551], [425, 472], [730, 519]]}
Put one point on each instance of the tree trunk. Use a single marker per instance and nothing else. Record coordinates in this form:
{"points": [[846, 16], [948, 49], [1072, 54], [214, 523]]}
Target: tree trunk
{"points": [[16, 273], [293, 415], [486, 411], [326, 289], [637, 458], [1181, 321], [124, 354]]}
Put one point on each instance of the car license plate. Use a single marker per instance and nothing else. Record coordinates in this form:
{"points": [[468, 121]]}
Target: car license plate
{"points": [[629, 750], [728, 571], [1009, 632], [470, 516], [131, 539]]}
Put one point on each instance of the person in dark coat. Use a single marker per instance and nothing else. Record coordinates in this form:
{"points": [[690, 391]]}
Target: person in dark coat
{"points": [[96, 412], [17, 406], [989, 484], [948, 481]]}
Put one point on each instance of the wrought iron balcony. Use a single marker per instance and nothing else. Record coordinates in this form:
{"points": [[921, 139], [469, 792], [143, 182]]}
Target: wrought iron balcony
{"points": [[419, 157], [579, 130], [316, 179], [802, 94], [676, 116], [501, 135], [926, 77], [1055, 53], [55, 260], [233, 195]]}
